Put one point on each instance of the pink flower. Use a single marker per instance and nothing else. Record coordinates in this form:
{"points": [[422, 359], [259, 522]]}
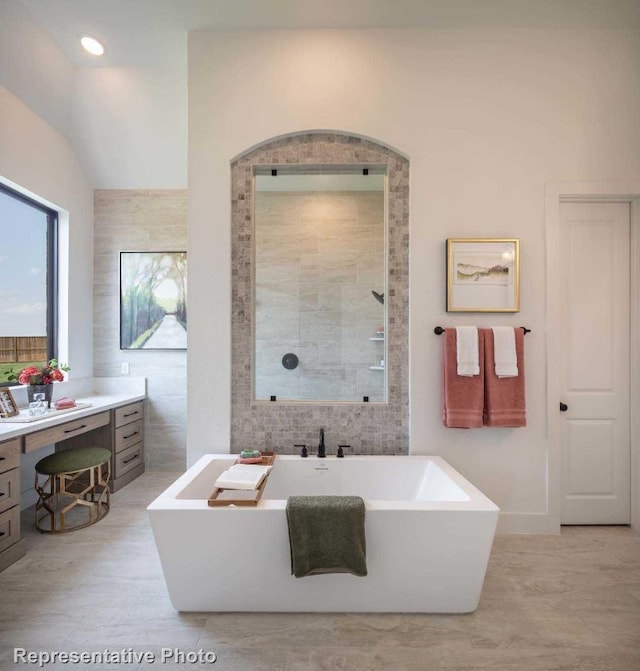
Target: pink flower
{"points": [[50, 372], [57, 375]]}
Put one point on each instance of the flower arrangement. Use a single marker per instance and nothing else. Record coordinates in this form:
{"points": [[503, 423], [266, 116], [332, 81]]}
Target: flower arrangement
{"points": [[50, 372]]}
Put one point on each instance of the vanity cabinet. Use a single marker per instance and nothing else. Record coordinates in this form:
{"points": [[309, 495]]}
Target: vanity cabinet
{"points": [[117, 427], [128, 444], [11, 546]]}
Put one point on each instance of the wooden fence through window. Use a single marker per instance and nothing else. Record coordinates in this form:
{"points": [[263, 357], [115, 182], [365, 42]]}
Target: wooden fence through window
{"points": [[23, 349]]}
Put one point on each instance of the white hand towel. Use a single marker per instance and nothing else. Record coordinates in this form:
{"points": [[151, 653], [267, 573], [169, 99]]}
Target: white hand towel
{"points": [[504, 351], [468, 355], [242, 476]]}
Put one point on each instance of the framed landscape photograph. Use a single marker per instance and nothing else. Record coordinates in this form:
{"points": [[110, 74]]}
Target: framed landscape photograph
{"points": [[483, 275], [153, 300]]}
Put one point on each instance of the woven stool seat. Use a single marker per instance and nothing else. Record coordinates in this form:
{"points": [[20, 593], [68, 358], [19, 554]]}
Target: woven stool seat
{"points": [[75, 492]]}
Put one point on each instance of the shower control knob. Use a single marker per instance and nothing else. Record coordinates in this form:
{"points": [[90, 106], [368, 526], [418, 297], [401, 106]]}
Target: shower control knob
{"points": [[290, 361]]}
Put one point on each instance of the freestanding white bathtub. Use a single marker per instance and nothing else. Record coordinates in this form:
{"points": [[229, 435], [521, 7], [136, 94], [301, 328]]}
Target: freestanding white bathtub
{"points": [[428, 532]]}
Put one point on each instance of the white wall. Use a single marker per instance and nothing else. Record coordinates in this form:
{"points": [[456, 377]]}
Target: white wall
{"points": [[130, 125], [37, 159], [36, 87], [33, 67], [487, 117]]}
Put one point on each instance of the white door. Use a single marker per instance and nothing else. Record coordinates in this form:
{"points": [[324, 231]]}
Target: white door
{"points": [[595, 344]]}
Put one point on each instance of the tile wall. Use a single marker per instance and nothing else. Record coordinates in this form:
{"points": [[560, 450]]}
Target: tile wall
{"points": [[141, 220], [319, 255]]}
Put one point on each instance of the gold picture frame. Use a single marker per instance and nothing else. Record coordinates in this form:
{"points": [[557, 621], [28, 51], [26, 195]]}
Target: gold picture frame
{"points": [[483, 275], [8, 407]]}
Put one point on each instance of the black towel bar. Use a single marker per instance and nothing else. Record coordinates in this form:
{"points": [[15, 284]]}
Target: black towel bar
{"points": [[439, 330]]}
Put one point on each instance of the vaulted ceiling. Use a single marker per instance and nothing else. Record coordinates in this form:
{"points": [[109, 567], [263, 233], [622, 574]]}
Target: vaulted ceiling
{"points": [[126, 113]]}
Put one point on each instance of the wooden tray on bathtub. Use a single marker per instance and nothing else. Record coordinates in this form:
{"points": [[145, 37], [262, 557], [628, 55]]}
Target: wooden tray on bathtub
{"points": [[242, 497]]}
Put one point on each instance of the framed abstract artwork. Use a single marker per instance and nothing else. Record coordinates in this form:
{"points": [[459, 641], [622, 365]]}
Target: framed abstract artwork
{"points": [[483, 275]]}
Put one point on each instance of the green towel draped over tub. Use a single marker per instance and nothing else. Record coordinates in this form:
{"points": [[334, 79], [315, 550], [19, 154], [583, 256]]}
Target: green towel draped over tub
{"points": [[326, 535]]}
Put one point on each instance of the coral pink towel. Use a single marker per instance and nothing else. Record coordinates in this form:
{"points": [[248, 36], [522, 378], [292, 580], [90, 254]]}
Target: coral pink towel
{"points": [[504, 400], [463, 395]]}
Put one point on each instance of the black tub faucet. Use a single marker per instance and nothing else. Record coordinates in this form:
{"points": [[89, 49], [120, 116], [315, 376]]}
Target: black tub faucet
{"points": [[321, 450], [341, 449]]}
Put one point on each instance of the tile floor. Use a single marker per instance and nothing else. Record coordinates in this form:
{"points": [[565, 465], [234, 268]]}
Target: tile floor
{"points": [[550, 603]]}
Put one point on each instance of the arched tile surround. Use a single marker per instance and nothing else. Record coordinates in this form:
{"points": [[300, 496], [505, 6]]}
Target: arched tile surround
{"points": [[370, 428]]}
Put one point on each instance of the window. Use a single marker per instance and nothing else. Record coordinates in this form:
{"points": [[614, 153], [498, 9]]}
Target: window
{"points": [[28, 255]]}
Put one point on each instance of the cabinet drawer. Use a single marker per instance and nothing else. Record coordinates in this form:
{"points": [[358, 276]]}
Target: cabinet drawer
{"points": [[9, 527], [9, 455], [128, 435], [128, 413], [9, 489], [61, 432], [128, 459]]}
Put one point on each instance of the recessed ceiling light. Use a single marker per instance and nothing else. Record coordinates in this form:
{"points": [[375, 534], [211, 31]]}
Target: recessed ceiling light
{"points": [[92, 45]]}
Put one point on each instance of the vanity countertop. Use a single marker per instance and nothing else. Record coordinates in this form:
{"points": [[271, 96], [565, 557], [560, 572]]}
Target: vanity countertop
{"points": [[101, 394]]}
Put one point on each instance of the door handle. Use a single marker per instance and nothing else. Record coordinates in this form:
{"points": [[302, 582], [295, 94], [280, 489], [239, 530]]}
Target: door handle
{"points": [[563, 407]]}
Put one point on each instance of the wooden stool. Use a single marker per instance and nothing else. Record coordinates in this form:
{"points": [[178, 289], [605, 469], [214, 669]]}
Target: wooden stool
{"points": [[76, 480]]}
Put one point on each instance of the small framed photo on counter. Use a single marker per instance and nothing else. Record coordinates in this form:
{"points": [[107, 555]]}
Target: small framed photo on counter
{"points": [[8, 407], [483, 275]]}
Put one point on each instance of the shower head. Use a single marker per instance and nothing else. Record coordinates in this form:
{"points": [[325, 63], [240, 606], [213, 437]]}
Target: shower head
{"points": [[378, 297]]}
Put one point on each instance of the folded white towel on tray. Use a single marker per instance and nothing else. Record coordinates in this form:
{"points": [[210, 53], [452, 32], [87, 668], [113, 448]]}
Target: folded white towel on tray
{"points": [[242, 476], [468, 356], [504, 350]]}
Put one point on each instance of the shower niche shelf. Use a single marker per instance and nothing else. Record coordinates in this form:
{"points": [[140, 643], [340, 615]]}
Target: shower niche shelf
{"points": [[378, 337]]}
